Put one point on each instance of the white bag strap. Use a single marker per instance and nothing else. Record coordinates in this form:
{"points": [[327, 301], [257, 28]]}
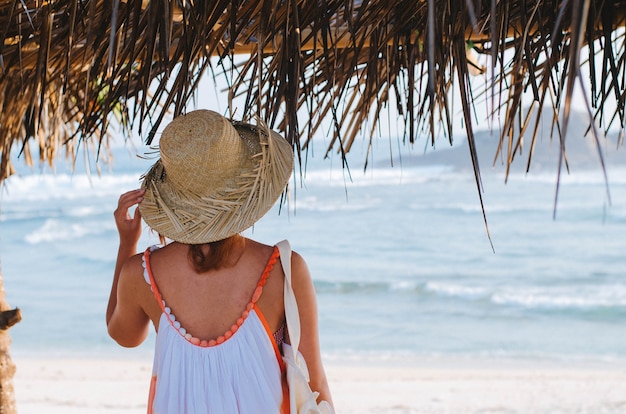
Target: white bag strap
{"points": [[291, 306]]}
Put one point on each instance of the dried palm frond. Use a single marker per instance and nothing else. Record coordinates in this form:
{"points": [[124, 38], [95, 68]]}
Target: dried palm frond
{"points": [[68, 66]]}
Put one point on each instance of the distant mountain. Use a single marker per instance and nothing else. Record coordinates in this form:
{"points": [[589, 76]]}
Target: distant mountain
{"points": [[581, 150]]}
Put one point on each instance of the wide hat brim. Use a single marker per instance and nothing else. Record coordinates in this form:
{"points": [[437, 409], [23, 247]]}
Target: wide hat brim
{"points": [[225, 207]]}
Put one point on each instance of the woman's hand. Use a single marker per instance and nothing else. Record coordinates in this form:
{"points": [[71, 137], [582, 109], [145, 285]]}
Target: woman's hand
{"points": [[129, 227]]}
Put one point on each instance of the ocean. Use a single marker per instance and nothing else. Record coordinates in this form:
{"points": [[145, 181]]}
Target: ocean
{"points": [[400, 258]]}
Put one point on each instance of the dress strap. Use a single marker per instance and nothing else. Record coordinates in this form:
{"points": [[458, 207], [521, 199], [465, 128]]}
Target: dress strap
{"points": [[149, 278], [264, 276]]}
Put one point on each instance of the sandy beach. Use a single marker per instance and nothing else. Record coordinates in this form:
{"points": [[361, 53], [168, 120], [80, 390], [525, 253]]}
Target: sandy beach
{"points": [[98, 386]]}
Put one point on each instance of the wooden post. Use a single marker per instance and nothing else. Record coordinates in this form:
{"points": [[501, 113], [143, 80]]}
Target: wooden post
{"points": [[8, 318]]}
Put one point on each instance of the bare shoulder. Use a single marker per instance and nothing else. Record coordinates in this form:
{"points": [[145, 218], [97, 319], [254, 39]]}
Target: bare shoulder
{"points": [[298, 264], [131, 279], [300, 275], [258, 248], [133, 267]]}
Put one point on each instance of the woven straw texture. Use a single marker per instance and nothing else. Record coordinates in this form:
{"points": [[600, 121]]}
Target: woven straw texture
{"points": [[214, 179]]}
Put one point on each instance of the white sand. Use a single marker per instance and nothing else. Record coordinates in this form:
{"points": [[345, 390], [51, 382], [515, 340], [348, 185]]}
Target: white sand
{"points": [[96, 386]]}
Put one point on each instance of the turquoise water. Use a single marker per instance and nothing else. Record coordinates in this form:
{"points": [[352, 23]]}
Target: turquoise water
{"points": [[400, 258]]}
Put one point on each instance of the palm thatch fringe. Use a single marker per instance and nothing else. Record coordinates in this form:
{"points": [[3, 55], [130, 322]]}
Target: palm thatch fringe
{"points": [[68, 68]]}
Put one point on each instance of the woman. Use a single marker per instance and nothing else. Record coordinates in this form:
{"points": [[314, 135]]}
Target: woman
{"points": [[214, 297]]}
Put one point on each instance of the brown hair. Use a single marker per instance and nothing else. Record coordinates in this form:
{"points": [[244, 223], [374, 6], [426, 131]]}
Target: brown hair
{"points": [[218, 253]]}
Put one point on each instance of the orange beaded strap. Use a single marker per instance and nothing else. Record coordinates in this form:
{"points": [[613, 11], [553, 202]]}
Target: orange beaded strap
{"points": [[228, 334]]}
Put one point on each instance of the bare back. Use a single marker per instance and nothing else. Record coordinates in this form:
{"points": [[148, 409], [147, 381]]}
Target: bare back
{"points": [[208, 304]]}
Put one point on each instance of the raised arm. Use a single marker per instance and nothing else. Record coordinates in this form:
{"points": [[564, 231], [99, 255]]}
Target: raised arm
{"points": [[126, 321], [309, 342]]}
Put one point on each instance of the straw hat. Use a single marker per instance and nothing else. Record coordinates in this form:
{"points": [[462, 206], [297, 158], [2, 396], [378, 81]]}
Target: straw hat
{"points": [[215, 177]]}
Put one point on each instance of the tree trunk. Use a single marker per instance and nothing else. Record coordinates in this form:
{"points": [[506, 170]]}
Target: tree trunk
{"points": [[8, 318]]}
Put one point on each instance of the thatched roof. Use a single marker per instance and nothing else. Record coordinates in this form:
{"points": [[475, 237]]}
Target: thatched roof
{"points": [[68, 67]]}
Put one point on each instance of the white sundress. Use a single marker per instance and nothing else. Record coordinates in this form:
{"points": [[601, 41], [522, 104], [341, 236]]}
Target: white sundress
{"points": [[241, 371]]}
